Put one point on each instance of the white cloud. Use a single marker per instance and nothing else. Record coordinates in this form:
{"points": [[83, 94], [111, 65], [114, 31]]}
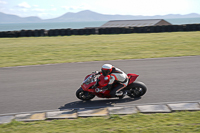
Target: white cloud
{"points": [[35, 6], [69, 7], [80, 7], [3, 2], [24, 5], [39, 9], [53, 9]]}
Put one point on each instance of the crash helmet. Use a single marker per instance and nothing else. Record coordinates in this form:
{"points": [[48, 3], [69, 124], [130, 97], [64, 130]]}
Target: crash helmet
{"points": [[106, 69]]}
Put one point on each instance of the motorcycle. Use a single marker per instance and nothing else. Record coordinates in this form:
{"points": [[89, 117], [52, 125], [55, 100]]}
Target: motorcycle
{"points": [[93, 86]]}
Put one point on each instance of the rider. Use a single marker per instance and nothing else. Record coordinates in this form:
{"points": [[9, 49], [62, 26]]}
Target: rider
{"points": [[115, 75]]}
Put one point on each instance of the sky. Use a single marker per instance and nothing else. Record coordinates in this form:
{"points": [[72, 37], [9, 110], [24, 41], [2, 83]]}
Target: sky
{"points": [[46, 9]]}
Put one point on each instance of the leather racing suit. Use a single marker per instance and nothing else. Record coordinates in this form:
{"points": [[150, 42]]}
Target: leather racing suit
{"points": [[119, 76]]}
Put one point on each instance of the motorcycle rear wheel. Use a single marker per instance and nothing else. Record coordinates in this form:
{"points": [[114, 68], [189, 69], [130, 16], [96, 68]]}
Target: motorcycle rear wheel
{"points": [[84, 95], [137, 89]]}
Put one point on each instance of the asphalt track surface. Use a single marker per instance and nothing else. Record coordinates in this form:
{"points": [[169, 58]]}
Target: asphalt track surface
{"points": [[50, 87]]}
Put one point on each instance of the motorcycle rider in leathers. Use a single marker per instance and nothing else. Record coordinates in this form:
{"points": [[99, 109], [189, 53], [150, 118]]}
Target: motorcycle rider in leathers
{"points": [[115, 75]]}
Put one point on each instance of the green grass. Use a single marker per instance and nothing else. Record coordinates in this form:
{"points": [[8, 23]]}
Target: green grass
{"points": [[178, 122], [50, 50]]}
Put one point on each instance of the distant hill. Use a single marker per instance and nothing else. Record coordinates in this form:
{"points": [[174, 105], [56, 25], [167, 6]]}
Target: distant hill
{"points": [[7, 18], [87, 15]]}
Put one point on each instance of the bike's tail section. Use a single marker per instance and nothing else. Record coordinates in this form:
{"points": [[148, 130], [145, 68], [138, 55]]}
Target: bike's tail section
{"points": [[132, 77]]}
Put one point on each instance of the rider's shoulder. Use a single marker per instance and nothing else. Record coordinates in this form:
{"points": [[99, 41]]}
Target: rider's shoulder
{"points": [[116, 70]]}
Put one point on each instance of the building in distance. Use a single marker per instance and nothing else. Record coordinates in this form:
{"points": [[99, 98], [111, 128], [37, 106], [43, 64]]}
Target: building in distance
{"points": [[135, 23]]}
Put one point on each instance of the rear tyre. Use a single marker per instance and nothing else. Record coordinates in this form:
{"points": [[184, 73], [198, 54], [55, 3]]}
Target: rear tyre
{"points": [[137, 89], [84, 95]]}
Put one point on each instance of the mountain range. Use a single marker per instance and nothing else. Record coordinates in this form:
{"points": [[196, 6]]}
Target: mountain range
{"points": [[87, 15]]}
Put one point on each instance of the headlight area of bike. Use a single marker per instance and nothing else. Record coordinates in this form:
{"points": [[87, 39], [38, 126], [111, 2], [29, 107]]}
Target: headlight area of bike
{"points": [[90, 79]]}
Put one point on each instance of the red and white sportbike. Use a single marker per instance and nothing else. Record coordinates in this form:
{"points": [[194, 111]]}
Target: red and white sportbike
{"points": [[93, 86]]}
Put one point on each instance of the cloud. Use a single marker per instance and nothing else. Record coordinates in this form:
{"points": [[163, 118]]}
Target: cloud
{"points": [[3, 2], [35, 5], [70, 7], [24, 5], [53, 9], [39, 9], [80, 7]]}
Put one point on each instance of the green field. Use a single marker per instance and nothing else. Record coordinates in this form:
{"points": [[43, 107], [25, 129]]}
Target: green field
{"points": [[178, 122], [49, 50]]}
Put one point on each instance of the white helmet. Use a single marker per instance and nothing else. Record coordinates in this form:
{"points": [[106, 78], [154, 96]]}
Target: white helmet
{"points": [[106, 69]]}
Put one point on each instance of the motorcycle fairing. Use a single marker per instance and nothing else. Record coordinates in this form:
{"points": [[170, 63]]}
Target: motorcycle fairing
{"points": [[132, 77]]}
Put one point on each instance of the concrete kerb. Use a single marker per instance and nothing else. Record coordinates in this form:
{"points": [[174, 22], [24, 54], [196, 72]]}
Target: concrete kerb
{"points": [[154, 109], [66, 114], [101, 111], [122, 110], [93, 112], [184, 107], [30, 117], [6, 119]]}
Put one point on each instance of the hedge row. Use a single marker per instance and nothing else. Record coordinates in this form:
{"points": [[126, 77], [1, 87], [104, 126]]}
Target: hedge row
{"points": [[150, 29], [100, 30]]}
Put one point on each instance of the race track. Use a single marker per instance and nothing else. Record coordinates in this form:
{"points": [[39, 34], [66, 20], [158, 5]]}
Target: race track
{"points": [[49, 87]]}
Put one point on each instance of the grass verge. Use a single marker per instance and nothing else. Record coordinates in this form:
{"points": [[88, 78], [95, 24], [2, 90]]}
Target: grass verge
{"points": [[182, 122], [50, 50]]}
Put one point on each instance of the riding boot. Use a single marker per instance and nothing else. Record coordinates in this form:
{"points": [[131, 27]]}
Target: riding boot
{"points": [[117, 91], [123, 95]]}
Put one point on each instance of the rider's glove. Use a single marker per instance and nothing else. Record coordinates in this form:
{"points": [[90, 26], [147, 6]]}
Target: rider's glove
{"points": [[96, 72]]}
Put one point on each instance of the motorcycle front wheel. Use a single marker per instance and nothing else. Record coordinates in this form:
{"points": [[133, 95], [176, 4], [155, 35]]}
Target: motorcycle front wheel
{"points": [[84, 95], [137, 89]]}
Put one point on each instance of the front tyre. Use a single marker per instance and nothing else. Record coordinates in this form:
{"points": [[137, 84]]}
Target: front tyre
{"points": [[84, 95], [137, 89]]}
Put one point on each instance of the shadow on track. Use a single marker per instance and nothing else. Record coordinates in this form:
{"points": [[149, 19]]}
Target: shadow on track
{"points": [[96, 103]]}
